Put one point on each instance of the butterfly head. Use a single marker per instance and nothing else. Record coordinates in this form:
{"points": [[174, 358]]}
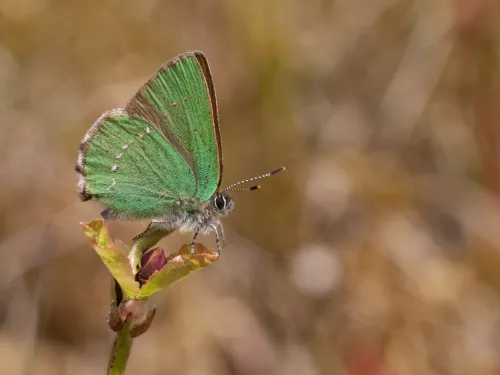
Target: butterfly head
{"points": [[223, 203]]}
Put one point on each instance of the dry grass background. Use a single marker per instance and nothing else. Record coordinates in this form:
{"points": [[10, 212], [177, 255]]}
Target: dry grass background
{"points": [[376, 253]]}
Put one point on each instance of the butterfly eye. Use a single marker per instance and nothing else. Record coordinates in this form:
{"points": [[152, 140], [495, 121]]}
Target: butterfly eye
{"points": [[220, 202]]}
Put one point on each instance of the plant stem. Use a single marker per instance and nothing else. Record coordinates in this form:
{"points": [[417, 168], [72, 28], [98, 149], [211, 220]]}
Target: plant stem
{"points": [[120, 351], [123, 342], [143, 242]]}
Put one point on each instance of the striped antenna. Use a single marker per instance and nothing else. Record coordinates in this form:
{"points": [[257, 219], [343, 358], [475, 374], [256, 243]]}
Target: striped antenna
{"points": [[255, 187]]}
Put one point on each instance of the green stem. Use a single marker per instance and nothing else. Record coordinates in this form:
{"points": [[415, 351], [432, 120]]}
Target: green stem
{"points": [[143, 242], [120, 352], [123, 342]]}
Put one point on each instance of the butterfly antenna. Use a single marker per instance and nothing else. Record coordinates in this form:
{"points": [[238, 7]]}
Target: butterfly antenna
{"points": [[255, 187]]}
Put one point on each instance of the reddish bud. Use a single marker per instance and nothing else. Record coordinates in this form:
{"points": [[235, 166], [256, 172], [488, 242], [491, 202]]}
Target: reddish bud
{"points": [[151, 262]]}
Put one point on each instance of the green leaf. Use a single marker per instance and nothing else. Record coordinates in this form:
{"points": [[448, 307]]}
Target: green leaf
{"points": [[113, 256], [179, 266]]}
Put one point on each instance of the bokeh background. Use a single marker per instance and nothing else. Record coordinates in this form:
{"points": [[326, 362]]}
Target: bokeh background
{"points": [[376, 253]]}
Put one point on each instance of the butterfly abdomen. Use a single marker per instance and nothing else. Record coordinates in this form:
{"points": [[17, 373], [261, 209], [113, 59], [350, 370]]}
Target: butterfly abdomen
{"points": [[191, 218]]}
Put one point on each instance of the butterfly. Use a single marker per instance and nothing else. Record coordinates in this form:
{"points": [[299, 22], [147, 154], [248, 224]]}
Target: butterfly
{"points": [[160, 157]]}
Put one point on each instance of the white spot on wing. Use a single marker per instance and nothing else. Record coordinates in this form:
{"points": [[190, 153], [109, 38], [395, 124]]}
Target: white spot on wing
{"points": [[112, 185]]}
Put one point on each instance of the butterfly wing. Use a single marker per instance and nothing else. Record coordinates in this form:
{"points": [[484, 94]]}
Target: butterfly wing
{"points": [[162, 148], [130, 167], [179, 101]]}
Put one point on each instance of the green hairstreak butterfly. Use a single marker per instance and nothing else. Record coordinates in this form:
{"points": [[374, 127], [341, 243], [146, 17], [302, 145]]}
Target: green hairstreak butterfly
{"points": [[160, 157]]}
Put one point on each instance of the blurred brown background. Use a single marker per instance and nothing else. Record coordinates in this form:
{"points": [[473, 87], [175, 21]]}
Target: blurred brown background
{"points": [[376, 253]]}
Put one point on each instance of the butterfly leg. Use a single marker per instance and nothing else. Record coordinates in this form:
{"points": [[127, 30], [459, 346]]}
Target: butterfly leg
{"points": [[217, 239], [193, 242], [154, 228], [222, 234], [143, 232]]}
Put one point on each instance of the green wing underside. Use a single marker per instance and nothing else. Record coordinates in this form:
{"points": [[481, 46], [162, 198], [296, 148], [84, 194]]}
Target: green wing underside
{"points": [[162, 148]]}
